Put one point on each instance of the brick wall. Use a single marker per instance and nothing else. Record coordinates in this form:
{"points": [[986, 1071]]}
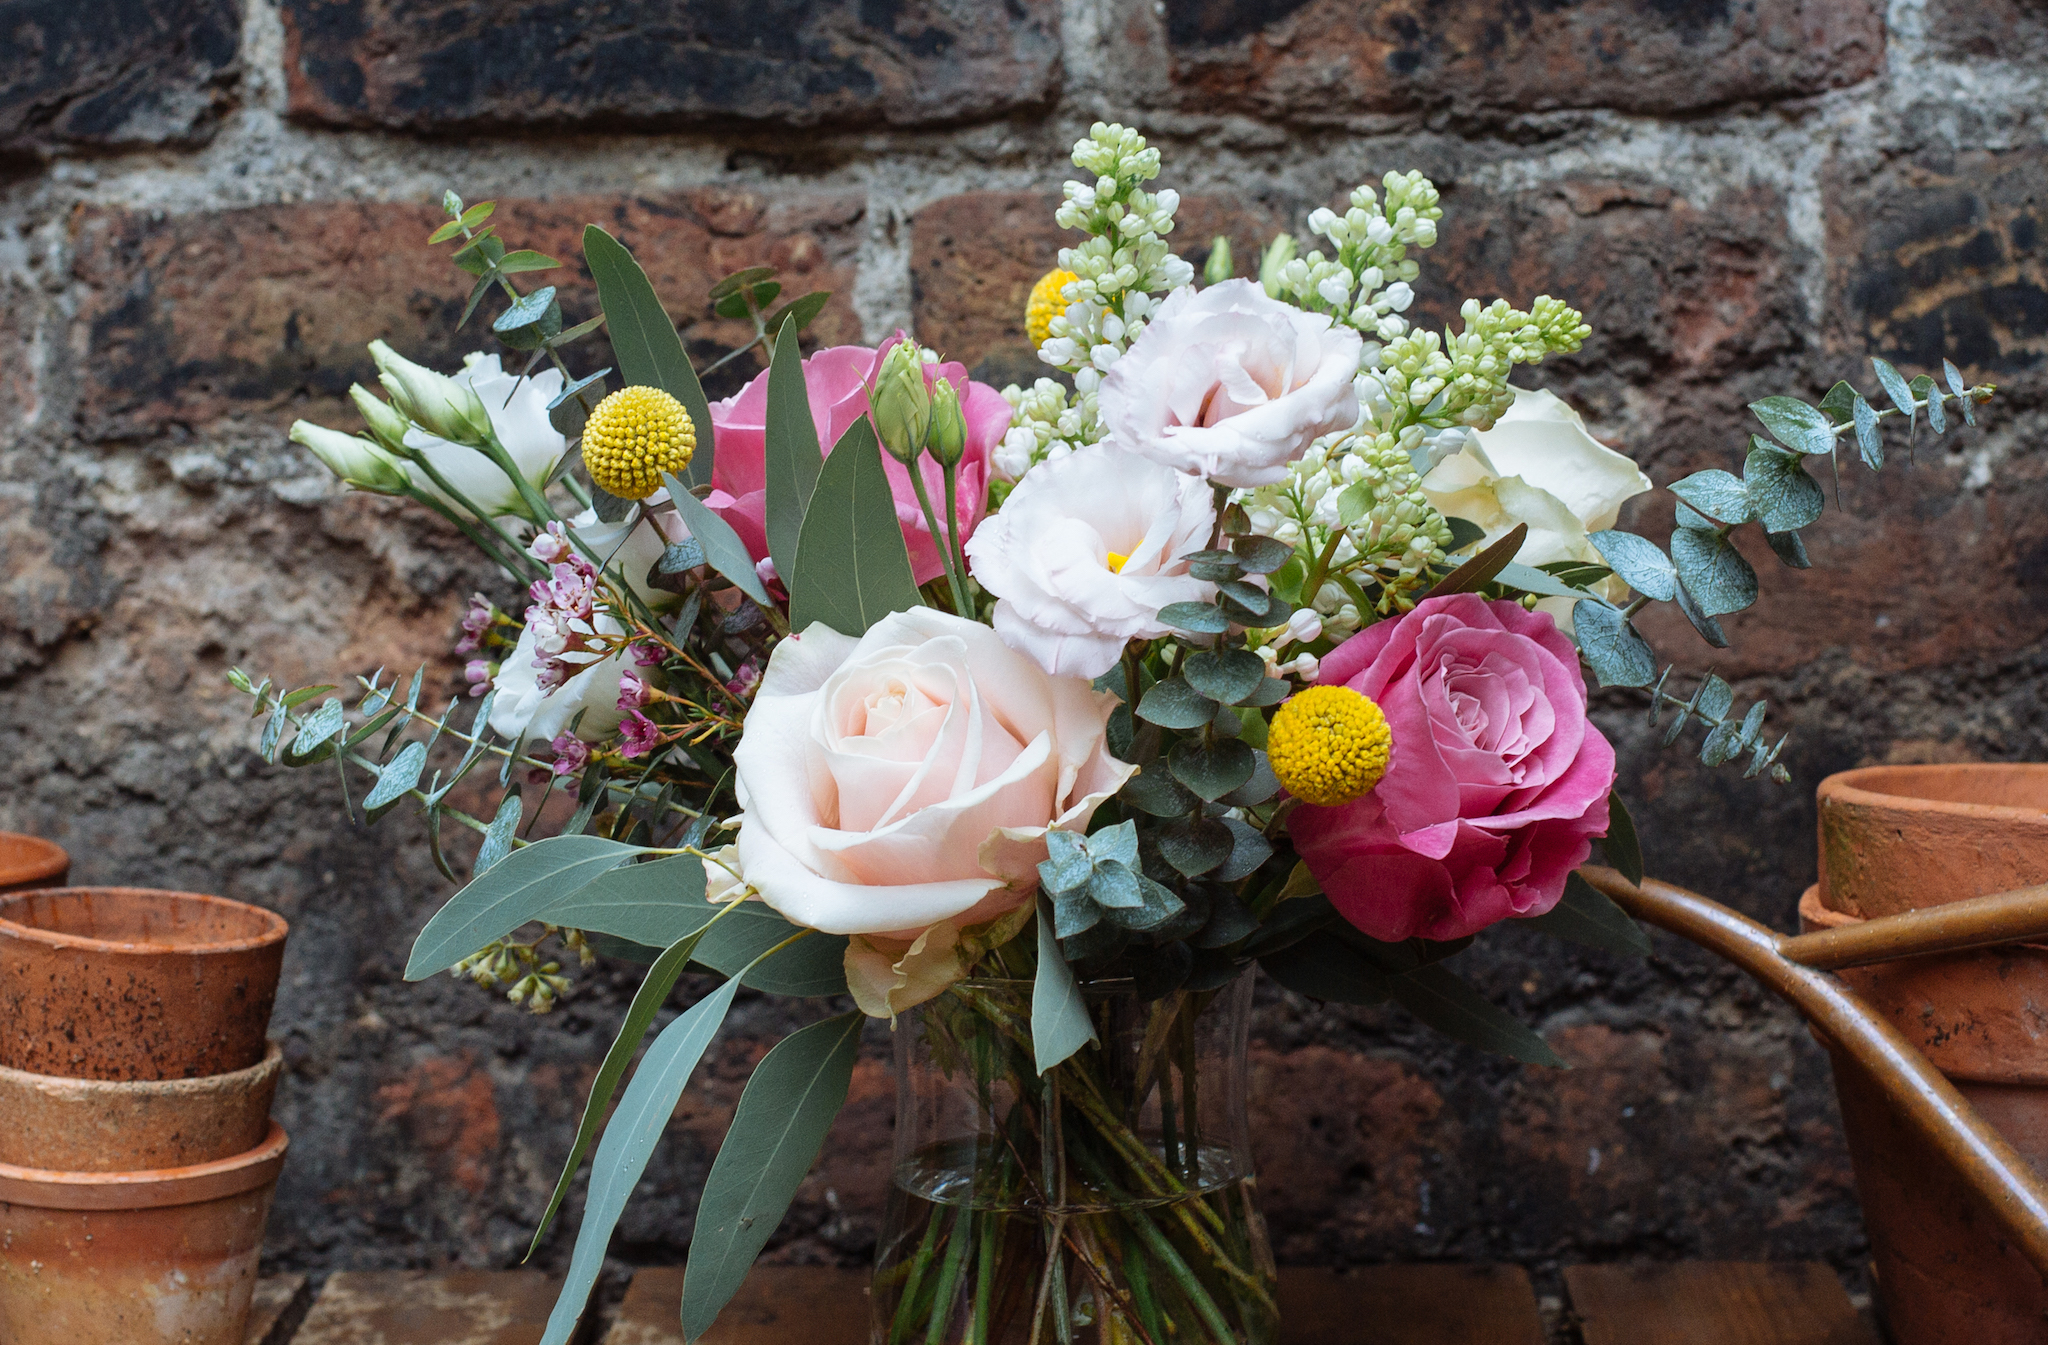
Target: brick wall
{"points": [[208, 206]]}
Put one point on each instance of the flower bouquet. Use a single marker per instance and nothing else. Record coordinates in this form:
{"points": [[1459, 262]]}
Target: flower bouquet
{"points": [[1257, 634]]}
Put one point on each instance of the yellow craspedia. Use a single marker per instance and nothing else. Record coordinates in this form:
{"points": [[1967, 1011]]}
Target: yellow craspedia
{"points": [[1046, 304], [1328, 745], [634, 436]]}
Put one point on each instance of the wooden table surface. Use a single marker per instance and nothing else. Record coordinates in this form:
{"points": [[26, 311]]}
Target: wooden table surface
{"points": [[1665, 1303]]}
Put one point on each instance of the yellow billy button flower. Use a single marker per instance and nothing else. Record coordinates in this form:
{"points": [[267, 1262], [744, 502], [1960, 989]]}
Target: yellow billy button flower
{"points": [[1328, 745], [1046, 304], [634, 436]]}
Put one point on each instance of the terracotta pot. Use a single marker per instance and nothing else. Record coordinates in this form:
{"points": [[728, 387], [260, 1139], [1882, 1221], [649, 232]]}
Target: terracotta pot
{"points": [[97, 1125], [134, 1258], [126, 983], [31, 861], [1901, 838]]}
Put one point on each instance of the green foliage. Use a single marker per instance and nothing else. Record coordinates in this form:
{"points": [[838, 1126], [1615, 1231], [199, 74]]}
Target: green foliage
{"points": [[722, 548], [1587, 917], [794, 458], [1060, 1024], [851, 567], [644, 341], [524, 886]]}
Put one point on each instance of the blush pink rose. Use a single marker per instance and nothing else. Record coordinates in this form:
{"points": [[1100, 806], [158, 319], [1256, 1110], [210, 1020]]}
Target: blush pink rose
{"points": [[1498, 782], [837, 380]]}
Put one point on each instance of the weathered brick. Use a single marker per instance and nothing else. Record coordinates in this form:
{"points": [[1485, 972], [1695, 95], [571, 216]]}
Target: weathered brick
{"points": [[456, 64], [2007, 29], [414, 1307], [266, 311], [1325, 60], [975, 257], [115, 72]]}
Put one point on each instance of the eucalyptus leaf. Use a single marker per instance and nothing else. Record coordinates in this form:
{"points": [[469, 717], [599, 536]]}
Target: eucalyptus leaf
{"points": [[653, 903], [319, 728], [1619, 656], [1868, 441], [1789, 549], [1587, 917], [1195, 846], [1250, 605], [1782, 496], [1896, 388], [398, 776], [776, 1133], [1153, 790], [801, 312], [1708, 628], [521, 887], [1640, 562], [498, 836], [794, 457], [1060, 1024], [1529, 579], [1200, 618], [1227, 675], [1713, 572], [1211, 770], [1249, 848], [723, 549], [678, 557], [1262, 786], [1797, 426], [1173, 704], [851, 565], [1261, 555], [1443, 1001], [1717, 494], [644, 341]]}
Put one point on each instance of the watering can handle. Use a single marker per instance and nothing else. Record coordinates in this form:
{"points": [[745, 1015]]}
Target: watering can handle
{"points": [[1918, 1092]]}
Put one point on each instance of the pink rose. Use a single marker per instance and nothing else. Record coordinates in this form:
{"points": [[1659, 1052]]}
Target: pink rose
{"points": [[837, 380], [1498, 782]]}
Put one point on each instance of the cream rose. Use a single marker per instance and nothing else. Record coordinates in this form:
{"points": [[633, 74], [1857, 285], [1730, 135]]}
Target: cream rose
{"points": [[1539, 466], [1231, 385], [906, 778], [1086, 551]]}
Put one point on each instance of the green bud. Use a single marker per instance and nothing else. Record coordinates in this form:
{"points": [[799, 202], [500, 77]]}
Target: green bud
{"points": [[436, 403], [947, 438], [387, 423], [900, 403], [1221, 266], [358, 462], [1279, 252]]}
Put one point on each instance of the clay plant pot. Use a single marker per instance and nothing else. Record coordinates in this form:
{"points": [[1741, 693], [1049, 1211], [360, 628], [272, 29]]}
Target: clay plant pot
{"points": [[1900, 838], [126, 983], [134, 1258], [98, 1125], [31, 861]]}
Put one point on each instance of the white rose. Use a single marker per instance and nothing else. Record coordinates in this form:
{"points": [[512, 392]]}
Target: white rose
{"points": [[1538, 466], [909, 777], [1086, 551], [522, 426], [1231, 385]]}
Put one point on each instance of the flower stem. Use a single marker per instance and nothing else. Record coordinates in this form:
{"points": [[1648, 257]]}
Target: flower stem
{"points": [[954, 554], [931, 520]]}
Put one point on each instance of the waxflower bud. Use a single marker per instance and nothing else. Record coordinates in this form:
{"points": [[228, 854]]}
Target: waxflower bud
{"points": [[436, 403], [947, 437], [1221, 266], [901, 404], [387, 423], [358, 462]]}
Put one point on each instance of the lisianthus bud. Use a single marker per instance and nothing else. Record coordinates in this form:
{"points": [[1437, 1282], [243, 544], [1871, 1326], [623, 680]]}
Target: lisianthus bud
{"points": [[387, 423], [436, 403], [1221, 266], [947, 437], [900, 403], [358, 462]]}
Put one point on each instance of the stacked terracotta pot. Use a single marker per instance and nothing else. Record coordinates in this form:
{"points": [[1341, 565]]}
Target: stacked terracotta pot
{"points": [[1903, 838], [137, 1153]]}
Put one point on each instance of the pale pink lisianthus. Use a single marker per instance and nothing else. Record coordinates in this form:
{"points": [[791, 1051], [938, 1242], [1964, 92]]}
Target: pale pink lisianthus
{"points": [[1498, 782], [1228, 384], [836, 379]]}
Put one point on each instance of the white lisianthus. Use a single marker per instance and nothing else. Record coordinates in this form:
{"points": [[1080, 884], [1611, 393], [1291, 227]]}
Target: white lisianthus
{"points": [[1086, 551], [1230, 385], [359, 462], [1539, 466], [521, 424]]}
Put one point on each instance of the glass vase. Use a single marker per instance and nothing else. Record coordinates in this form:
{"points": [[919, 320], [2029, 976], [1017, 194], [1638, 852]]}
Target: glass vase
{"points": [[1109, 1202]]}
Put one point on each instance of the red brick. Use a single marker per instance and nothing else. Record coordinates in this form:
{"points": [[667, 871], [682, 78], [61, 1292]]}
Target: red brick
{"points": [[2007, 29], [448, 1109], [115, 72], [1325, 60], [658, 64], [416, 1307], [266, 311]]}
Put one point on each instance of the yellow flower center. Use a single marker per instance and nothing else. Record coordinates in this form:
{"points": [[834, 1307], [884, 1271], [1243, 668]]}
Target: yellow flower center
{"points": [[1117, 562], [634, 436], [1329, 745], [1046, 304]]}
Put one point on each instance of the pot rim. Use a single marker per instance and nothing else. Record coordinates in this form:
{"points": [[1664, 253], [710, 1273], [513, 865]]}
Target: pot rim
{"points": [[1846, 787], [53, 860], [148, 1188], [271, 1063], [276, 927]]}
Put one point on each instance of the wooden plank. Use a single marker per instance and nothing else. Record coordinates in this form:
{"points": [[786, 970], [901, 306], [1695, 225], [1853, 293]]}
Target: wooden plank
{"points": [[419, 1307], [1377, 1305], [1714, 1303], [279, 1305], [1409, 1305]]}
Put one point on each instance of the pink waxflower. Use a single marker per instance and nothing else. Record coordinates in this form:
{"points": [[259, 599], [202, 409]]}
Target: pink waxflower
{"points": [[550, 544], [648, 655], [476, 623], [746, 679], [640, 736], [562, 622], [633, 691], [1498, 781], [477, 672], [836, 380], [572, 754]]}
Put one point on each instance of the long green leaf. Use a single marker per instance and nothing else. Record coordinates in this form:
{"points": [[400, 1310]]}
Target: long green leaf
{"points": [[522, 886], [1624, 850], [776, 1133], [852, 568], [1060, 1024], [794, 456], [652, 903], [723, 549], [629, 1142], [1327, 968], [647, 1001], [1585, 916], [1479, 571], [644, 340], [1446, 1003]]}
